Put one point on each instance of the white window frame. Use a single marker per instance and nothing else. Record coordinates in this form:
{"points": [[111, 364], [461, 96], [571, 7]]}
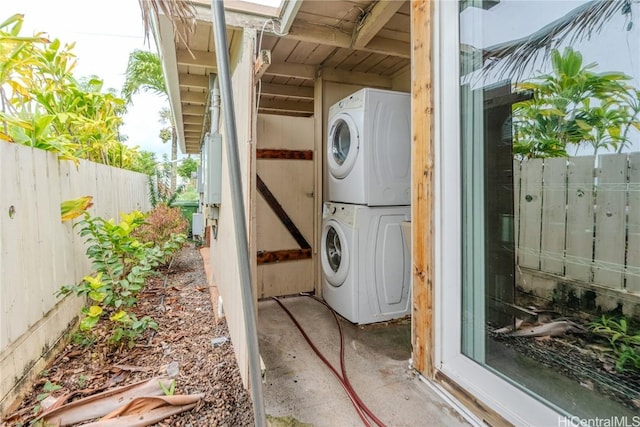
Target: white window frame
{"points": [[509, 401]]}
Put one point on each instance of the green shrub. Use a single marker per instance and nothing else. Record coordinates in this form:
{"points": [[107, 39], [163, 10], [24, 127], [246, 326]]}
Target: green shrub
{"points": [[121, 266], [624, 342]]}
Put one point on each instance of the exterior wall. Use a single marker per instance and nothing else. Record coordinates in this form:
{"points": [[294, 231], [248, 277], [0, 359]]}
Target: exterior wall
{"points": [[223, 249], [39, 253]]}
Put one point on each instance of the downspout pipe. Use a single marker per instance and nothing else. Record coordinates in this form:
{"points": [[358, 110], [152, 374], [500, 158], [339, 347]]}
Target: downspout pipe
{"points": [[246, 288], [214, 86]]}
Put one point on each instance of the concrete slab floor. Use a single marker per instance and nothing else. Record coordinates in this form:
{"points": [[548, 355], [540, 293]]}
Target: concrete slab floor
{"points": [[300, 386]]}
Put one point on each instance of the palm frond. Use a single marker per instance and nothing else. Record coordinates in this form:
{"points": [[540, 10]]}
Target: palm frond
{"points": [[515, 56], [144, 73], [180, 12]]}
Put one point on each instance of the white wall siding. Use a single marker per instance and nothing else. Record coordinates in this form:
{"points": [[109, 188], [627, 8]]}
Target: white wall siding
{"points": [[223, 249]]}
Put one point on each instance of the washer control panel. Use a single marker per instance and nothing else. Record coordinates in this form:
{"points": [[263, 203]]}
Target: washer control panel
{"points": [[342, 212]]}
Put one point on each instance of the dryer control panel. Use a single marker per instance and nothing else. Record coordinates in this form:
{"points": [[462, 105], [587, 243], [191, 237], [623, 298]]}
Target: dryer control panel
{"points": [[351, 102]]}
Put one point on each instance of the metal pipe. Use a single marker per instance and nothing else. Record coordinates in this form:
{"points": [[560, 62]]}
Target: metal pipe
{"points": [[214, 86], [246, 288]]}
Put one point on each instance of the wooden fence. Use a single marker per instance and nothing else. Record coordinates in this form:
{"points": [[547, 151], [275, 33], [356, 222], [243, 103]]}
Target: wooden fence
{"points": [[580, 219], [39, 253]]}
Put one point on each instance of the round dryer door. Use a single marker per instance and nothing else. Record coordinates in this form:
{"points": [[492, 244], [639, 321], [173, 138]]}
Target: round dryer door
{"points": [[335, 253], [343, 145]]}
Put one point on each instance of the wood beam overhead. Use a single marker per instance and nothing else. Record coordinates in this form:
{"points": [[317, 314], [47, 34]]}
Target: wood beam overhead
{"points": [[300, 92], [300, 71], [355, 77], [194, 98], [242, 20], [377, 17], [192, 81], [200, 58], [315, 33], [192, 128], [386, 46], [289, 106], [192, 110], [193, 120], [320, 34]]}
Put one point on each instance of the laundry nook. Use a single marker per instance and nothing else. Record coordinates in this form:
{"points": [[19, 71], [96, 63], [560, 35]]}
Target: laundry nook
{"points": [[326, 170], [365, 266], [398, 201]]}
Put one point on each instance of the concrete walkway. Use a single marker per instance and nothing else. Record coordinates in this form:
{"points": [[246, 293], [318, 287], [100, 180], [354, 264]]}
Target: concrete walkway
{"points": [[299, 385]]}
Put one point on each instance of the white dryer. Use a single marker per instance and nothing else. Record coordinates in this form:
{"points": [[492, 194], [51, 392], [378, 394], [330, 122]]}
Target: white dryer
{"points": [[369, 148], [365, 263]]}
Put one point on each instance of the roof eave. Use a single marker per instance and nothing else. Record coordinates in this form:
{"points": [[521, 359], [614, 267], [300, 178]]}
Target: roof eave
{"points": [[165, 41]]}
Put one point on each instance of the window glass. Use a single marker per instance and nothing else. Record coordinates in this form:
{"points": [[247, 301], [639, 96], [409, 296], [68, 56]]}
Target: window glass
{"points": [[550, 146]]}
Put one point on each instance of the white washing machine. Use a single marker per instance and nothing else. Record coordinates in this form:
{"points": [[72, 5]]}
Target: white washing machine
{"points": [[369, 148], [365, 263]]}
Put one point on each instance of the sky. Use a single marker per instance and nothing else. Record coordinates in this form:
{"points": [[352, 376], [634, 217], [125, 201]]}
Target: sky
{"points": [[105, 32]]}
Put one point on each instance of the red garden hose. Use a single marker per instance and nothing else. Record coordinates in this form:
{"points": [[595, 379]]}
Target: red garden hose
{"points": [[358, 404]]}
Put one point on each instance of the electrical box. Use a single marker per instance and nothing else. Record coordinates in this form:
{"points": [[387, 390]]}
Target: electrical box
{"points": [[197, 225], [213, 178]]}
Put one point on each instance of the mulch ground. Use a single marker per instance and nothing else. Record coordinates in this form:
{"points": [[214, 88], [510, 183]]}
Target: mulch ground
{"points": [[188, 337]]}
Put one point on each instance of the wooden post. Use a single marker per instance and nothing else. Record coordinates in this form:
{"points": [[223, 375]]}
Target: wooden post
{"points": [[262, 63], [422, 178]]}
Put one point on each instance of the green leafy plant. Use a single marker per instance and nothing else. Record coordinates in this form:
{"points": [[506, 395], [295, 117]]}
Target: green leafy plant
{"points": [[625, 343], [82, 381], [573, 106], [47, 389], [121, 266], [129, 327], [188, 167], [42, 104], [83, 339], [160, 191], [171, 390]]}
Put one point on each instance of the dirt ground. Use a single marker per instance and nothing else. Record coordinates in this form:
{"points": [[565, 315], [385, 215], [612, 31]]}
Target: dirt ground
{"points": [[188, 336]]}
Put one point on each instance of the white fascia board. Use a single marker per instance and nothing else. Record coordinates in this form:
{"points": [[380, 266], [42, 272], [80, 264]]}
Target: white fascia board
{"points": [[288, 13], [164, 37]]}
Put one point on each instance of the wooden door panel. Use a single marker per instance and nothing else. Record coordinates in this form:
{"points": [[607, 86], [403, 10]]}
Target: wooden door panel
{"points": [[285, 205]]}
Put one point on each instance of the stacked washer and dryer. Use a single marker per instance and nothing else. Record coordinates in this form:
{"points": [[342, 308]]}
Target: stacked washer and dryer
{"points": [[365, 257]]}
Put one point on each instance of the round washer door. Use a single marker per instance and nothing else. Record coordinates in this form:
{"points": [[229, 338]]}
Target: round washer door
{"points": [[335, 253], [343, 145]]}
